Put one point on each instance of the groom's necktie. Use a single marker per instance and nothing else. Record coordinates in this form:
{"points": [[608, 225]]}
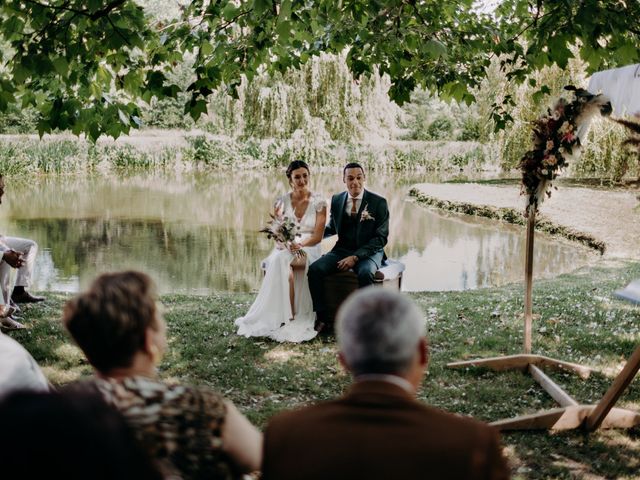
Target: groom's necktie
{"points": [[354, 210]]}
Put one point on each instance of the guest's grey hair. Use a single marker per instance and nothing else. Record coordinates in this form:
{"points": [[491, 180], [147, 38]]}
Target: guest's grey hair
{"points": [[378, 331]]}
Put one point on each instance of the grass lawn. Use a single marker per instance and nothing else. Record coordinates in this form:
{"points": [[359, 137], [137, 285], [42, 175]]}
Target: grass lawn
{"points": [[579, 321]]}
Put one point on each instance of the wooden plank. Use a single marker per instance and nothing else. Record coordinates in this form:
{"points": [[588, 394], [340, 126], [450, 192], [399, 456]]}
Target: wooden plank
{"points": [[521, 362], [509, 362], [609, 399], [567, 418], [552, 388], [581, 370], [618, 418], [564, 418]]}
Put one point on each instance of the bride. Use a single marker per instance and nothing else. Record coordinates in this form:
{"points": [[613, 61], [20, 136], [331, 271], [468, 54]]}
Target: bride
{"points": [[283, 309]]}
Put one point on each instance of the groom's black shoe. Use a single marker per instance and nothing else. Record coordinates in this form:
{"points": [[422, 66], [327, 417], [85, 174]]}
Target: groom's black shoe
{"points": [[320, 324], [20, 295]]}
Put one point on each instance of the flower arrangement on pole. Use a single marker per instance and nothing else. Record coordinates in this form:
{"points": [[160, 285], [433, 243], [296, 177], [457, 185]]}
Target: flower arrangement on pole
{"points": [[556, 141]]}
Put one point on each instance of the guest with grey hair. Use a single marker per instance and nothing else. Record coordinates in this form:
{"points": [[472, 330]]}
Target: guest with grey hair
{"points": [[378, 333], [378, 429]]}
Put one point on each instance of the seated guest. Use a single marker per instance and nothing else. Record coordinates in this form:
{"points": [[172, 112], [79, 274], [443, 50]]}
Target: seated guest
{"points": [[18, 369], [191, 432], [378, 430], [68, 436], [18, 253]]}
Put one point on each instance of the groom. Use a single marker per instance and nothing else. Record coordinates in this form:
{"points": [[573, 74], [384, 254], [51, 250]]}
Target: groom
{"points": [[361, 220]]}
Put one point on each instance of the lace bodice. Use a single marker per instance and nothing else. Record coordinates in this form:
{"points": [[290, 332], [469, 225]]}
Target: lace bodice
{"points": [[308, 221]]}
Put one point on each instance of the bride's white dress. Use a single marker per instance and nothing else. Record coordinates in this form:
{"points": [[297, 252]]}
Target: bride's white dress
{"points": [[270, 315]]}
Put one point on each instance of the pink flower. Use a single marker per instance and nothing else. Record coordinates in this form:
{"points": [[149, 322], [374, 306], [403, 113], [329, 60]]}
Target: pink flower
{"points": [[550, 161], [550, 145]]}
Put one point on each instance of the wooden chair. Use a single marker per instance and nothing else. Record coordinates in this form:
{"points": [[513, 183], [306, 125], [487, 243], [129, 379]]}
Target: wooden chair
{"points": [[340, 285]]}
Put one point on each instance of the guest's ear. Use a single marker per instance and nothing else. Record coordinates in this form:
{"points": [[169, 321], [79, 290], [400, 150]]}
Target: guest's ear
{"points": [[343, 362], [423, 352], [149, 342]]}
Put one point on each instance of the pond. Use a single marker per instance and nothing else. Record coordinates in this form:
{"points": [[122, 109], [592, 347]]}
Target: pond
{"points": [[197, 233]]}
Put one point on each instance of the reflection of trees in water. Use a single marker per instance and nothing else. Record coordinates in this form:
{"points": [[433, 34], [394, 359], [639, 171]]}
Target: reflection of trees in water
{"points": [[198, 230], [180, 257], [479, 252]]}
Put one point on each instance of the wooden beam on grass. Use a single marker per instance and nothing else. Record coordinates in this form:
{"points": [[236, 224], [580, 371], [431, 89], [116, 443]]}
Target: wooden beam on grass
{"points": [[553, 389], [522, 362]]}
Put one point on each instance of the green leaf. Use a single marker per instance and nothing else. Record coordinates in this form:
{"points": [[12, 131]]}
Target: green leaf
{"points": [[196, 109], [61, 65], [206, 49], [285, 9], [20, 73], [230, 11], [558, 50], [538, 96], [435, 48], [261, 6], [627, 53], [103, 76], [283, 29]]}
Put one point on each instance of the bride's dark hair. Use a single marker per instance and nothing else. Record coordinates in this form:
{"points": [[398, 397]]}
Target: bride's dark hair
{"points": [[296, 164]]}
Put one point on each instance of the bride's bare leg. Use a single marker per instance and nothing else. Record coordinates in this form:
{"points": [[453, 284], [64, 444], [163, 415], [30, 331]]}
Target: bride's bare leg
{"points": [[292, 295]]}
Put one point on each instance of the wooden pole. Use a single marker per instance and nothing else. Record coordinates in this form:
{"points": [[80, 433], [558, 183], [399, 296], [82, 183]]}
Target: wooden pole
{"points": [[528, 281], [621, 382]]}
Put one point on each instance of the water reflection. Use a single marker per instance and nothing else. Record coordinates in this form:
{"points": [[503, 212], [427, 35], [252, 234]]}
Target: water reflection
{"points": [[197, 232]]}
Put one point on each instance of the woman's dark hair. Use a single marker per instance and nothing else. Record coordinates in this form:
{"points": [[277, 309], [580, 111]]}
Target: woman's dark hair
{"points": [[69, 435], [296, 164], [109, 321]]}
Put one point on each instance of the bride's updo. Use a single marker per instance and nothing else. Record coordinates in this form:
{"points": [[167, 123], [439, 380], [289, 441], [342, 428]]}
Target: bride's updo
{"points": [[296, 164]]}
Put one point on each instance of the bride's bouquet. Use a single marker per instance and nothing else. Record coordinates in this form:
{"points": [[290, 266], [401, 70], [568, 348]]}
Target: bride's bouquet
{"points": [[283, 230]]}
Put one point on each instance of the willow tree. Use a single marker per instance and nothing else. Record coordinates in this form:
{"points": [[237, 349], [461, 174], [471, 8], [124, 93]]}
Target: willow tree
{"points": [[86, 65]]}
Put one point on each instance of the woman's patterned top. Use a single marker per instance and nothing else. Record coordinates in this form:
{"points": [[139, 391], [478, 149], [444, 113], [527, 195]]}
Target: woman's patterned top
{"points": [[180, 426]]}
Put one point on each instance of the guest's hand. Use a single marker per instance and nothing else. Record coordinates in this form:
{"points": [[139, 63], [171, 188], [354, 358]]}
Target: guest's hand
{"points": [[13, 258], [347, 263]]}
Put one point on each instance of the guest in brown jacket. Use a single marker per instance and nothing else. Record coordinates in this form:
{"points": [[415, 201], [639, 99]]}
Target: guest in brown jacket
{"points": [[378, 430]]}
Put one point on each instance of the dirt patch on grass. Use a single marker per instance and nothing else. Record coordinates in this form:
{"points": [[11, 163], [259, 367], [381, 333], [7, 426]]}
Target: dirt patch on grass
{"points": [[608, 221]]}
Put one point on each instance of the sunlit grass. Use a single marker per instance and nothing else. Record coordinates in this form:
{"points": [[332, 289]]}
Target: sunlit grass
{"points": [[577, 319]]}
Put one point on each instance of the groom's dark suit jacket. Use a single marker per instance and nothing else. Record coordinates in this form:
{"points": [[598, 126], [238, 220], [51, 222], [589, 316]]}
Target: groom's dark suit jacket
{"points": [[371, 235], [379, 431]]}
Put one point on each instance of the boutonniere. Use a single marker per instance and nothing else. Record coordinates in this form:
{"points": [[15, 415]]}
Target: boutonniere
{"points": [[365, 215]]}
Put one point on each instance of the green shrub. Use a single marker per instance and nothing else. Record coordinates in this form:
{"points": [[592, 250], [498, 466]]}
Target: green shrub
{"points": [[167, 113], [13, 161], [603, 155], [203, 150], [440, 129], [471, 129], [128, 157], [19, 120]]}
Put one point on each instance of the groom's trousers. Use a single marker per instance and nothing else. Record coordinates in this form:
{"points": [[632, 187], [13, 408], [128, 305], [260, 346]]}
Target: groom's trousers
{"points": [[327, 264]]}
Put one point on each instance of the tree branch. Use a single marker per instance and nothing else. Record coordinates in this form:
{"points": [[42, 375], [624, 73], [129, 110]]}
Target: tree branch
{"points": [[117, 30], [105, 11]]}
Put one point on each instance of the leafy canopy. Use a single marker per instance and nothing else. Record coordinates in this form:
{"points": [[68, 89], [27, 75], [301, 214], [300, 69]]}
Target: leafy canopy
{"points": [[86, 65]]}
